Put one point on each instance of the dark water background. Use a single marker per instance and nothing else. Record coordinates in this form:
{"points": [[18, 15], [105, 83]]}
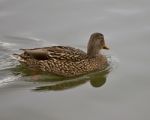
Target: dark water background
{"points": [[32, 23]]}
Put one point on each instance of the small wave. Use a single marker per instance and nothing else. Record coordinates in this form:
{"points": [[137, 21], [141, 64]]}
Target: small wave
{"points": [[6, 47], [5, 44], [8, 79], [34, 39], [113, 62], [25, 41], [21, 38], [6, 62]]}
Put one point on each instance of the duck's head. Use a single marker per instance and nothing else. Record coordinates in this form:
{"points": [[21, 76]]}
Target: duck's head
{"points": [[96, 43]]}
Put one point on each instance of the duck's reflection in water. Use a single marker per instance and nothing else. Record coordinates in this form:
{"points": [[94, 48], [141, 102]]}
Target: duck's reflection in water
{"points": [[48, 82], [96, 80]]}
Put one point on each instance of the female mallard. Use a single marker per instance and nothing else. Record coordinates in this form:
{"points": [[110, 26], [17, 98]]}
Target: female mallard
{"points": [[66, 61]]}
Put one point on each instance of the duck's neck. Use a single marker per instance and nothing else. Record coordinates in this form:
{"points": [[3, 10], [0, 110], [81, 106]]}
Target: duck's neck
{"points": [[92, 52]]}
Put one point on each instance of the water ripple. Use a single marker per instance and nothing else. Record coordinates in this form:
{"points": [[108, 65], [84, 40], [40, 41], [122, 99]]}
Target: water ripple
{"points": [[8, 79], [6, 62], [5, 44]]}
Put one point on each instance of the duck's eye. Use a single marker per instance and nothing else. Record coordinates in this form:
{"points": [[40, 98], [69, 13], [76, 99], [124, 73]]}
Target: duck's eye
{"points": [[101, 35]]}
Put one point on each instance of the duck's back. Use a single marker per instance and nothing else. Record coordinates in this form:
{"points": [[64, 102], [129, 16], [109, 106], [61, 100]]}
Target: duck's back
{"points": [[66, 53], [55, 52]]}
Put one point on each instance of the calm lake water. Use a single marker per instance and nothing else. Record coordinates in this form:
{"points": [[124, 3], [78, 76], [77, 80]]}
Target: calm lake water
{"points": [[123, 95]]}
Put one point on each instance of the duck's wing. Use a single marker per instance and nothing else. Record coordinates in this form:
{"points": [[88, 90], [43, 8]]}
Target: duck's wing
{"points": [[36, 53], [55, 52], [66, 53]]}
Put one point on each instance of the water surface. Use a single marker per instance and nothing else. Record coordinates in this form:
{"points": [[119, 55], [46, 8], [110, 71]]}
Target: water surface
{"points": [[122, 94]]}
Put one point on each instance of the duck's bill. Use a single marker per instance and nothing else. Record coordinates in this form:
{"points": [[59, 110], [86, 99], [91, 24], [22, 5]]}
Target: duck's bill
{"points": [[105, 47]]}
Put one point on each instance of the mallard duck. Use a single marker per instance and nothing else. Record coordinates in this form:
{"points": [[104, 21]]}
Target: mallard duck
{"points": [[66, 61]]}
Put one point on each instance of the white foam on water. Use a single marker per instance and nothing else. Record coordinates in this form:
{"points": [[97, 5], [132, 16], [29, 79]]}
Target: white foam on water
{"points": [[8, 80], [7, 63], [113, 62], [5, 44]]}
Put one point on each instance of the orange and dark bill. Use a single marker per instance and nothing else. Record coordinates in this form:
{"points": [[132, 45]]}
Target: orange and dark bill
{"points": [[105, 47]]}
